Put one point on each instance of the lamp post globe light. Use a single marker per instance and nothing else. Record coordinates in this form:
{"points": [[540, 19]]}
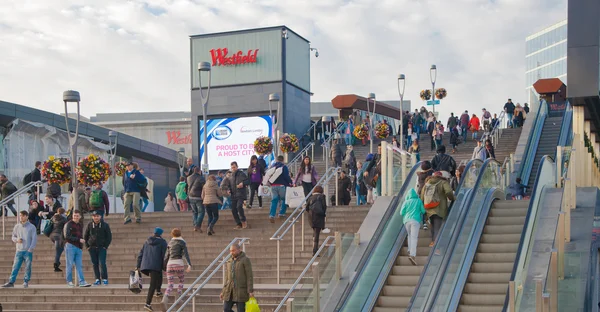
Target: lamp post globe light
{"points": [[71, 96], [401, 87], [274, 98], [433, 77], [204, 67], [181, 157], [371, 116], [112, 144]]}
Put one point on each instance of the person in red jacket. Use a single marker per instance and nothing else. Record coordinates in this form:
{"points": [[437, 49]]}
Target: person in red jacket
{"points": [[474, 126]]}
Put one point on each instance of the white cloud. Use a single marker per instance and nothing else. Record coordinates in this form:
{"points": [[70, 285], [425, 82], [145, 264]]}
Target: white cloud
{"points": [[133, 55]]}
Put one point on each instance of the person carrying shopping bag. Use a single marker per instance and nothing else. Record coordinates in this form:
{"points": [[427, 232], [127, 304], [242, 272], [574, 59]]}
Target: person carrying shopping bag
{"points": [[412, 212]]}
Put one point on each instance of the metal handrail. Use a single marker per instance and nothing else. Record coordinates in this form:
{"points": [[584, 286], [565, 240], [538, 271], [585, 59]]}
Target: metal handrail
{"points": [[326, 243], [521, 257], [225, 255], [495, 133], [290, 222], [566, 135], [4, 201], [299, 156], [333, 134], [532, 143]]}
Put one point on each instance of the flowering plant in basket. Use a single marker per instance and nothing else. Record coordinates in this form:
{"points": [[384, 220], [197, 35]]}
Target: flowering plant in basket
{"points": [[440, 93], [425, 94], [288, 143], [120, 168], [92, 169], [361, 131], [382, 130], [57, 170], [263, 145]]}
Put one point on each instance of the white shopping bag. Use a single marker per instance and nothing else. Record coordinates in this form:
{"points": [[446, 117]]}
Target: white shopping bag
{"points": [[264, 191], [294, 196]]}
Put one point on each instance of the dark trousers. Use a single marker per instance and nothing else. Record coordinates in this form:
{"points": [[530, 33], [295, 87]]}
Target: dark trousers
{"points": [[213, 214], [307, 188], [156, 278], [98, 255], [436, 224], [12, 209], [58, 247], [316, 233], [228, 305], [237, 210], [254, 190]]}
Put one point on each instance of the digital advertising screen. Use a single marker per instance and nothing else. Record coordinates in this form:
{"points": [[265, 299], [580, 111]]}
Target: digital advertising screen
{"points": [[232, 139]]}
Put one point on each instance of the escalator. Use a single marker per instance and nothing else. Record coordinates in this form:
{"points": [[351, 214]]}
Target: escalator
{"points": [[545, 146]]}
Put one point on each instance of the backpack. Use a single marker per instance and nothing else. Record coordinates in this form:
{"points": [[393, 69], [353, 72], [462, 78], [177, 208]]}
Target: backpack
{"points": [[271, 175], [96, 199], [27, 179], [47, 230], [431, 198], [317, 206]]}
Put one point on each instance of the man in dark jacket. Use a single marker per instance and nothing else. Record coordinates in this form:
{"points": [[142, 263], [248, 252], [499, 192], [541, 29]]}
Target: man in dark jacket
{"points": [[99, 201], [278, 188], [73, 249], [50, 208], [451, 122], [132, 180], [236, 186], [464, 124], [36, 175], [344, 185], [239, 281], [97, 239], [443, 161], [509, 109], [150, 262], [195, 183], [336, 153], [7, 189], [59, 219]]}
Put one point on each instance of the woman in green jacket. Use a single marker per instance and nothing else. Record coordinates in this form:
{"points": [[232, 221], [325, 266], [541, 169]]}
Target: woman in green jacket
{"points": [[412, 214]]}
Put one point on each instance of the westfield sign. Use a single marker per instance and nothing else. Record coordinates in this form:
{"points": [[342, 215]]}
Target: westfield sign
{"points": [[221, 57], [175, 137]]}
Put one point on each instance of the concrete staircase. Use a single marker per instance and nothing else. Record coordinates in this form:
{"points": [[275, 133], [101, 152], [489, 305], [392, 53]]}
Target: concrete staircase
{"points": [[485, 290], [48, 289]]}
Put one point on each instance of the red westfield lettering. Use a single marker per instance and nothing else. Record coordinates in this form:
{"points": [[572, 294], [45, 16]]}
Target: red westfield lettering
{"points": [[220, 57], [174, 137]]}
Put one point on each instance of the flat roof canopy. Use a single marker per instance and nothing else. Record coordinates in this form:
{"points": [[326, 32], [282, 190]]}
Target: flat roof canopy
{"points": [[353, 101]]}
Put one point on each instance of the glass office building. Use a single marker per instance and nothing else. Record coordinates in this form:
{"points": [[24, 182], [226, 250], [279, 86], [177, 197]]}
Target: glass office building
{"points": [[546, 55]]}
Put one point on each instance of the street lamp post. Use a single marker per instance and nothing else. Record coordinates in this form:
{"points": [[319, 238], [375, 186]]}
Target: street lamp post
{"points": [[401, 79], [371, 116], [204, 67], [274, 97], [433, 77], [112, 143], [181, 157], [71, 96]]}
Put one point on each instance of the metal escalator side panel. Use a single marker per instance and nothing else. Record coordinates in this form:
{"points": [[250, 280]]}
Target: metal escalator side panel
{"points": [[538, 122], [376, 261]]}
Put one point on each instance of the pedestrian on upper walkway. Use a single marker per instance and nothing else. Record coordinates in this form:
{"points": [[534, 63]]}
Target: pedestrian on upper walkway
{"points": [[474, 126], [509, 109]]}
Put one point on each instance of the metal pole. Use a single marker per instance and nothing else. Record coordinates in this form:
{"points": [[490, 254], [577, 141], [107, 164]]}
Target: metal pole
{"points": [[279, 129], [561, 245], [294, 242], [327, 172], [511, 296], [289, 305], [337, 187], [303, 216], [316, 288], [312, 155], [401, 93], [204, 66], [278, 267], [338, 255], [554, 281], [538, 295], [72, 96], [433, 96], [194, 304], [546, 302]]}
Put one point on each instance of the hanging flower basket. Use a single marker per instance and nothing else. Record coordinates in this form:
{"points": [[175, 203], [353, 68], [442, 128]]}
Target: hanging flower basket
{"points": [[57, 170], [288, 143], [120, 168], [425, 94], [92, 170], [440, 93], [382, 131], [361, 131], [263, 145]]}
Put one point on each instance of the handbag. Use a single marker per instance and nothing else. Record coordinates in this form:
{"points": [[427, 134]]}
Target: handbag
{"points": [[135, 281], [294, 196], [264, 191]]}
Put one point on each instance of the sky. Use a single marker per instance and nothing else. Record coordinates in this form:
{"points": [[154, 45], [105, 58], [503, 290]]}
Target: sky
{"points": [[133, 56]]}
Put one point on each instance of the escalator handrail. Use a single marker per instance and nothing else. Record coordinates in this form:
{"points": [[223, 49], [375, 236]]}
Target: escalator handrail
{"points": [[524, 231], [376, 236], [484, 211], [444, 266], [532, 143], [590, 287], [451, 242], [566, 126]]}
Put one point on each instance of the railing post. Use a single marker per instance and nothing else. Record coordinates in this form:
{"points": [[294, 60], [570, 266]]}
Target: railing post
{"points": [[553, 281], [568, 225], [3, 225], [357, 239], [512, 162], [538, 295], [302, 231], [384, 168], [546, 302], [294, 242], [278, 259], [559, 164], [225, 268], [511, 296], [289, 305], [337, 188], [194, 304], [316, 288], [338, 255], [561, 245]]}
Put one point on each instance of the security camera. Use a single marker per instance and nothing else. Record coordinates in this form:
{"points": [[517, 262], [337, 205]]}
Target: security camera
{"points": [[284, 33], [317, 54], [316, 51]]}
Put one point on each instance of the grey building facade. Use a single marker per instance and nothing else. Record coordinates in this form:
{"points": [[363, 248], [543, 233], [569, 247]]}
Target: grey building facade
{"points": [[247, 66]]}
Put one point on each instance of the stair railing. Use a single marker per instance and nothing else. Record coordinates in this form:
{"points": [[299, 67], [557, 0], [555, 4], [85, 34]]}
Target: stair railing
{"points": [[333, 135], [298, 215], [4, 202], [214, 266]]}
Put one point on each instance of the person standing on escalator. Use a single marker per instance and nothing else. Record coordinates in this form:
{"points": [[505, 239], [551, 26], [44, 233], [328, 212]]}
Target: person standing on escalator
{"points": [[435, 196]]}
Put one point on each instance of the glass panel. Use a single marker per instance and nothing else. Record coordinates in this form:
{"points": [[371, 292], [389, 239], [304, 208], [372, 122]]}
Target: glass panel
{"points": [[430, 275], [490, 178]]}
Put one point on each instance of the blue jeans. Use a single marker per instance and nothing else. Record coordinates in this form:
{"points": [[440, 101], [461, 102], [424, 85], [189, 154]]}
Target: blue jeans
{"points": [[73, 256], [438, 143], [226, 203], [278, 194], [198, 211], [348, 139], [417, 129], [362, 199], [408, 140], [213, 214], [21, 256], [145, 205], [464, 132], [510, 119]]}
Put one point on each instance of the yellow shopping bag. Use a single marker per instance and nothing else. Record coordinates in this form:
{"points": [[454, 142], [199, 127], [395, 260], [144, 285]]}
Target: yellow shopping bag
{"points": [[252, 305]]}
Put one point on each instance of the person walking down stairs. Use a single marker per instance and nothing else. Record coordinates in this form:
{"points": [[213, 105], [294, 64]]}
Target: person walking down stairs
{"points": [[236, 187], [25, 237], [59, 219], [98, 237]]}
